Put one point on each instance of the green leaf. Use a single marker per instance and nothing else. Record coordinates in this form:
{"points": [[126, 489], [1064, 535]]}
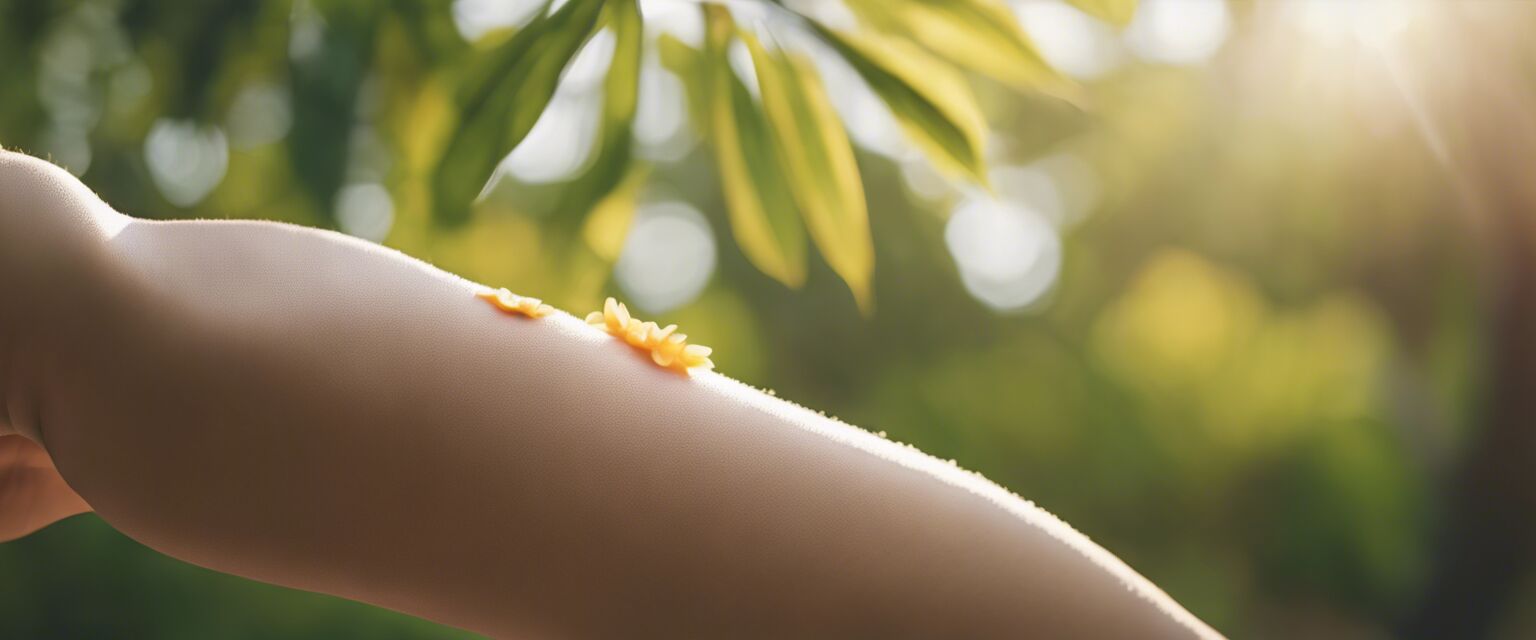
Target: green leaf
{"points": [[757, 194], [981, 35], [621, 92], [502, 98], [607, 225], [1116, 12], [815, 152], [622, 86], [325, 93], [685, 61], [677, 55], [931, 101]]}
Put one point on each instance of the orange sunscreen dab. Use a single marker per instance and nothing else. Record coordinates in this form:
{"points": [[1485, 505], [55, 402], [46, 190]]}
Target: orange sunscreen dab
{"points": [[511, 303], [668, 348]]}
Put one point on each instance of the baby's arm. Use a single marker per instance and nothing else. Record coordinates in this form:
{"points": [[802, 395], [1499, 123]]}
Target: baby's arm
{"points": [[309, 410]]}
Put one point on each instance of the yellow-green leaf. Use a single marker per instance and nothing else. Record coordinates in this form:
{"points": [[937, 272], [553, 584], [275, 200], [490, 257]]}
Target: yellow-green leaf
{"points": [[816, 155], [981, 35], [931, 101], [501, 99], [758, 198], [684, 60], [621, 89], [1116, 12], [622, 85], [607, 226], [677, 55]]}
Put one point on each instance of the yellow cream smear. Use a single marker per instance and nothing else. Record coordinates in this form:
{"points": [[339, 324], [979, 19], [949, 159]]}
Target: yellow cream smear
{"points": [[668, 348], [511, 303]]}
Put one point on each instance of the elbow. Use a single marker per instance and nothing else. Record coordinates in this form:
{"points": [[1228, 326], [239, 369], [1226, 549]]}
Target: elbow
{"points": [[45, 211], [51, 225], [53, 250]]}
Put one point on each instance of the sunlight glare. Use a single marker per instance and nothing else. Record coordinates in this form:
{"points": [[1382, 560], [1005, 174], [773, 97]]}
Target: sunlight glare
{"points": [[259, 115], [186, 160], [1365, 21], [365, 211], [668, 257], [677, 19], [1179, 31], [475, 18], [561, 141], [1070, 40], [1008, 254], [661, 116]]}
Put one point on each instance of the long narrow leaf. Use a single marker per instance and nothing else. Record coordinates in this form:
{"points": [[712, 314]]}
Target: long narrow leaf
{"points": [[684, 60], [818, 158], [931, 101], [503, 98], [981, 35], [1116, 12], [621, 91], [325, 94], [607, 225], [758, 197]]}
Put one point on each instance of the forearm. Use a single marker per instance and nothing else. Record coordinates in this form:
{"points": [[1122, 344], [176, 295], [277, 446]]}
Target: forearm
{"points": [[315, 412]]}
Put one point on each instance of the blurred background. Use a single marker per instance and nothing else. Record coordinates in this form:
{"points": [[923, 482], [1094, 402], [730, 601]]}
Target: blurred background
{"points": [[1245, 291]]}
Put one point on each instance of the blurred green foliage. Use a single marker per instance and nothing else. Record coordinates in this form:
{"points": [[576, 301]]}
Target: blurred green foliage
{"points": [[1248, 378]]}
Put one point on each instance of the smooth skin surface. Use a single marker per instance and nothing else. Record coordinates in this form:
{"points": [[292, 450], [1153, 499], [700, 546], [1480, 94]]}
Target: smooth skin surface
{"points": [[32, 493], [306, 409]]}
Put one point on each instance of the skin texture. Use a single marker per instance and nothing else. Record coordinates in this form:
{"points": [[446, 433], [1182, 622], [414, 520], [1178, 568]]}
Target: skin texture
{"points": [[306, 409]]}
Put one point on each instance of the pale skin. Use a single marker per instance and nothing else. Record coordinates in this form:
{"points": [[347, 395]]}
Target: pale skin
{"points": [[305, 409]]}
